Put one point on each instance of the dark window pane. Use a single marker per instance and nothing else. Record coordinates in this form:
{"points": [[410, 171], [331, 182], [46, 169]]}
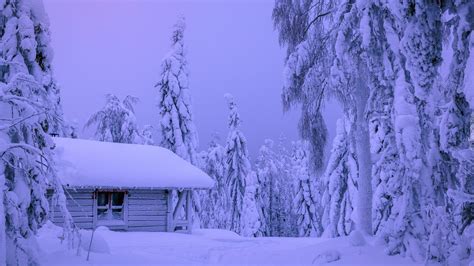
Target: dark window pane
{"points": [[117, 198], [102, 214], [102, 199]]}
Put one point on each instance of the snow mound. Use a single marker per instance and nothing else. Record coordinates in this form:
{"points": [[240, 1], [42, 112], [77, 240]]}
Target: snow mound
{"points": [[99, 244], [51, 229], [356, 239], [216, 234], [327, 257]]}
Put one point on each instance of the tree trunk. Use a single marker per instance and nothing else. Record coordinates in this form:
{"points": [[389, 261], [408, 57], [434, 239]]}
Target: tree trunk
{"points": [[364, 182]]}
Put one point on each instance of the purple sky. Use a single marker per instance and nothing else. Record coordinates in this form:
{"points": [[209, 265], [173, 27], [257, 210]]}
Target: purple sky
{"points": [[116, 47]]}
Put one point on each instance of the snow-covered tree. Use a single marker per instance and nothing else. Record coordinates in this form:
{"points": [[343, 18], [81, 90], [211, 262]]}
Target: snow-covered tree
{"points": [[267, 194], [349, 81], [214, 202], [275, 191], [455, 161], [237, 166], [324, 58], [147, 135], [174, 101], [29, 109], [419, 56], [442, 239], [251, 219], [340, 185], [307, 200], [398, 70], [378, 58], [43, 70], [306, 68], [464, 215], [287, 189], [178, 131], [72, 129], [471, 137], [116, 121]]}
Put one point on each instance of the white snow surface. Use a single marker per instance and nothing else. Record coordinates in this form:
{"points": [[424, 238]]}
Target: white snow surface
{"points": [[213, 247], [86, 163]]}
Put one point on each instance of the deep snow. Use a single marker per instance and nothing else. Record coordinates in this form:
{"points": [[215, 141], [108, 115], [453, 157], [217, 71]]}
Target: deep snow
{"points": [[218, 247]]}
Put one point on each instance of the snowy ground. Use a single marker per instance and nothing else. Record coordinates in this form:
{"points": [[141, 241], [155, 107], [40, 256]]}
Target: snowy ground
{"points": [[216, 247]]}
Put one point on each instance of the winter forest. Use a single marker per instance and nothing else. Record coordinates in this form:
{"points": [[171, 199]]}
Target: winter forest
{"points": [[392, 182]]}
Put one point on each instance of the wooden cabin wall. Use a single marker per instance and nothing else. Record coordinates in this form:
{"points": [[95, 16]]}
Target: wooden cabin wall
{"points": [[80, 203], [147, 210]]}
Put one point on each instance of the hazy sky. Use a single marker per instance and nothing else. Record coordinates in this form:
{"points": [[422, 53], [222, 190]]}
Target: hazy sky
{"points": [[117, 46]]}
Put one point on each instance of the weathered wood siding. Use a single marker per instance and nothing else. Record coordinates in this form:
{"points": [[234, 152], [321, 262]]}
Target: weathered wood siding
{"points": [[147, 210], [80, 203]]}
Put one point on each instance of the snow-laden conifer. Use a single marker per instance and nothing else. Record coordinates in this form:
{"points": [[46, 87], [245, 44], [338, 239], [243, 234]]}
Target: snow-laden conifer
{"points": [[214, 202], [417, 64], [116, 121], [307, 200], [43, 70], [174, 100], [251, 219], [267, 170], [27, 92], [147, 135], [237, 166], [340, 185]]}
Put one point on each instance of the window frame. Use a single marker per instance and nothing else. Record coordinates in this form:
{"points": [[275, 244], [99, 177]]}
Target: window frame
{"points": [[116, 223]]}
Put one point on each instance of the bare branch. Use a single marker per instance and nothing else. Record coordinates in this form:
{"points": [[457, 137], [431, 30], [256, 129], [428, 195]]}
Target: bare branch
{"points": [[314, 20]]}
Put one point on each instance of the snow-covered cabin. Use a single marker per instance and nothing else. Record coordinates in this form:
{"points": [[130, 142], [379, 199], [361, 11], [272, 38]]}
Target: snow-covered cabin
{"points": [[126, 186]]}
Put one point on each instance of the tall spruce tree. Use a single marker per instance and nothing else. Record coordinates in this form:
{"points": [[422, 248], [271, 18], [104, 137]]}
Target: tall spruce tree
{"points": [[178, 131], [237, 166], [174, 100]]}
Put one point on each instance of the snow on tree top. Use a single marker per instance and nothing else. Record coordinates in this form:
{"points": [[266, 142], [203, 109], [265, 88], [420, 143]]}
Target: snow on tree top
{"points": [[88, 163]]}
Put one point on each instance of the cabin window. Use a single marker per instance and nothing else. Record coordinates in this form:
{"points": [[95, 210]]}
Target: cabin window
{"points": [[110, 206]]}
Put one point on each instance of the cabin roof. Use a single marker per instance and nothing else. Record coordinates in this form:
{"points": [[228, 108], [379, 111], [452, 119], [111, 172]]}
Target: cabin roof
{"points": [[88, 163]]}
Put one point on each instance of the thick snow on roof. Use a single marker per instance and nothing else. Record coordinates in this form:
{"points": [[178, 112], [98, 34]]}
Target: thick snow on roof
{"points": [[85, 163]]}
